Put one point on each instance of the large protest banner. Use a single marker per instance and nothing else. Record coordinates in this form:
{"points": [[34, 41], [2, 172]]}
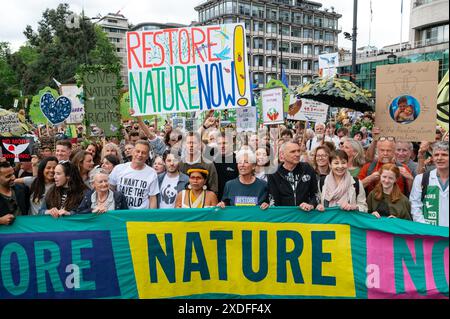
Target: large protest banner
{"points": [[229, 253], [307, 110], [102, 102], [16, 148], [188, 69], [9, 122], [406, 102]]}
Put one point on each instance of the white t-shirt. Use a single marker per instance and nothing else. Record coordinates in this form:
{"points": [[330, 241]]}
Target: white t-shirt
{"points": [[168, 191], [136, 185]]}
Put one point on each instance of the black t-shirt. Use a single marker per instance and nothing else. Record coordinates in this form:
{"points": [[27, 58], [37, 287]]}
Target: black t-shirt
{"points": [[227, 170], [11, 204]]}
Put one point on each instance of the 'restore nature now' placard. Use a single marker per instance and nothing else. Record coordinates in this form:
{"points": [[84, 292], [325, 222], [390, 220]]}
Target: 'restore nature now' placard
{"points": [[223, 253], [188, 69]]}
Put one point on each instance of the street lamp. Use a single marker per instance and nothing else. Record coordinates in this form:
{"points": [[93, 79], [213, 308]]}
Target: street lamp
{"points": [[353, 38]]}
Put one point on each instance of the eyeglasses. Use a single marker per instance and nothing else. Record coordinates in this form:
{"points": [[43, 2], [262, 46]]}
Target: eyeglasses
{"points": [[63, 161], [322, 156], [387, 138]]}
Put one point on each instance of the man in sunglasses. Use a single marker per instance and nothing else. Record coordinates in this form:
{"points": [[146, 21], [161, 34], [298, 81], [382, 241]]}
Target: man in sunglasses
{"points": [[370, 175], [14, 199]]}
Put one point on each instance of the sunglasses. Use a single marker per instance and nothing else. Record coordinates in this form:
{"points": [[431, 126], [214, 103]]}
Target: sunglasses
{"points": [[387, 138]]}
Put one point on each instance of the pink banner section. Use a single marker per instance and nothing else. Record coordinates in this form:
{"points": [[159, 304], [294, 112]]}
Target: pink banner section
{"points": [[406, 267]]}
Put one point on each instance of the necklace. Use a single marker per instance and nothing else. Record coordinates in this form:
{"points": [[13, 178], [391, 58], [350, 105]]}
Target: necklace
{"points": [[99, 201]]}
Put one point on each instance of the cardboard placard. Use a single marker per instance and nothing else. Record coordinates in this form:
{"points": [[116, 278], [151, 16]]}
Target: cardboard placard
{"points": [[272, 106], [74, 93], [406, 101], [9, 123], [246, 119]]}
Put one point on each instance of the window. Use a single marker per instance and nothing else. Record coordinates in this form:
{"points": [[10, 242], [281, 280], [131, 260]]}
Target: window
{"points": [[271, 45], [258, 43], [316, 66], [296, 32], [244, 8], [296, 48], [318, 22], [296, 64], [307, 33], [297, 17], [284, 46], [307, 49], [258, 78], [272, 14], [317, 50], [286, 30], [258, 11], [112, 21], [271, 62], [230, 7], [285, 63], [258, 60], [271, 28], [258, 26], [296, 80], [318, 35], [285, 16]]}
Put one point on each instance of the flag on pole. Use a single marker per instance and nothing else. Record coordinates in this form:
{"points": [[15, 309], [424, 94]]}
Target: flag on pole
{"points": [[371, 11], [401, 10], [57, 83], [284, 77]]}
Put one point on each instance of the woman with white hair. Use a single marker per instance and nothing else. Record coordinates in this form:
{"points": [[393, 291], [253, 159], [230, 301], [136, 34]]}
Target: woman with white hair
{"points": [[112, 149], [246, 189], [101, 199]]}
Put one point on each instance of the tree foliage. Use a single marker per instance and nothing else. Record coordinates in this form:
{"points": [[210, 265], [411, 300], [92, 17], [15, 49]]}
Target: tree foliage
{"points": [[54, 50]]}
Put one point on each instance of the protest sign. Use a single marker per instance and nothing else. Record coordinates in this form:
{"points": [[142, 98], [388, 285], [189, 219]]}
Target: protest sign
{"points": [[102, 102], [179, 122], [246, 119], [307, 110], [17, 149], [406, 101], [231, 253], [272, 106], [55, 110], [328, 64], [75, 95], [9, 122], [16, 103], [36, 115], [188, 69]]}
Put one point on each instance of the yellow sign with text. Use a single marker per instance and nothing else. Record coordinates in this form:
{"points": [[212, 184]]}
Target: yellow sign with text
{"points": [[176, 259]]}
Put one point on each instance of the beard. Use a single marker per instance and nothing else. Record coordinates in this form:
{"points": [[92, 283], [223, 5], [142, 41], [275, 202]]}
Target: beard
{"points": [[319, 137]]}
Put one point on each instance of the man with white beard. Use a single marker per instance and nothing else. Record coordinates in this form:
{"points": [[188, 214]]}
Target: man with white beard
{"points": [[317, 140]]}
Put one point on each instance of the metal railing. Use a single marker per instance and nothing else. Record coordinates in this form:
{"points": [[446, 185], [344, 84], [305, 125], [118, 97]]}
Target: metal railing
{"points": [[406, 47]]}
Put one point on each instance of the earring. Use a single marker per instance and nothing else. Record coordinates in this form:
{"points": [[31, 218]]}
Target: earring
{"points": [[205, 187], [189, 186]]}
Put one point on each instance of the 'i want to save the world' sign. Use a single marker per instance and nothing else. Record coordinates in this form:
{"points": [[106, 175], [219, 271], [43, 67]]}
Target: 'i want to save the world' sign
{"points": [[188, 69]]}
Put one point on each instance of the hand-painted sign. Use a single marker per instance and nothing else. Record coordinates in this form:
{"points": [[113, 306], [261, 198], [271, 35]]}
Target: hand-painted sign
{"points": [[56, 111], [9, 122], [246, 119], [76, 96], [17, 149], [307, 110], [272, 106], [102, 102], [188, 69], [214, 253]]}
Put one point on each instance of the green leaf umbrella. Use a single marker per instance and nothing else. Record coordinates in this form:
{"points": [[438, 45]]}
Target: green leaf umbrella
{"points": [[337, 93]]}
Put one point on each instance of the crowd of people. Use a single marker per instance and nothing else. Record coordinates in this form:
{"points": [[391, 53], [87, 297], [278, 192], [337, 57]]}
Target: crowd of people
{"points": [[316, 168]]}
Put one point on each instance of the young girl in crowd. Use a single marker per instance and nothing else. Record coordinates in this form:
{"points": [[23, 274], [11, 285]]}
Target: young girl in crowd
{"points": [[40, 185], [387, 199], [66, 194], [83, 160], [340, 188]]}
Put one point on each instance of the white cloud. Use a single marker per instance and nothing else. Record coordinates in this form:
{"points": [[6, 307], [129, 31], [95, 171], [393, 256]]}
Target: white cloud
{"points": [[385, 25]]}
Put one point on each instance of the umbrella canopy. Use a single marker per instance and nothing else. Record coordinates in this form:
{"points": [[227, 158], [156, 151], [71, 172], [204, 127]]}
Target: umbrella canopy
{"points": [[12, 129], [337, 93]]}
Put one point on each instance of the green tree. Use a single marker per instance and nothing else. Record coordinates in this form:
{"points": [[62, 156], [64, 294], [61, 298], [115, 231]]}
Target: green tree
{"points": [[62, 48], [8, 81]]}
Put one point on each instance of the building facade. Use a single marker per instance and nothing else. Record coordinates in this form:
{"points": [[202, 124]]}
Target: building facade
{"points": [[287, 33], [116, 26], [428, 42]]}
